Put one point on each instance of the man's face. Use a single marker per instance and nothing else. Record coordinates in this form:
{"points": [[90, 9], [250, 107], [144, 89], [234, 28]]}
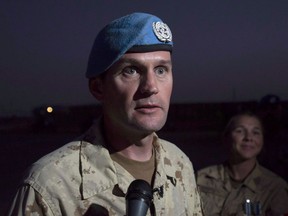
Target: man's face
{"points": [[136, 92], [247, 137]]}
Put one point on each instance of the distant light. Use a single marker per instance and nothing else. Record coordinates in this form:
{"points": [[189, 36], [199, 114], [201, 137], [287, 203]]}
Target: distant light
{"points": [[49, 109]]}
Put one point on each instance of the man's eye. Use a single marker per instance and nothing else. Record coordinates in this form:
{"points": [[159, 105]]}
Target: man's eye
{"points": [[129, 71], [161, 70]]}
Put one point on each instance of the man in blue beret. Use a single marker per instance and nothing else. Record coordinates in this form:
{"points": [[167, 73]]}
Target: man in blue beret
{"points": [[130, 73]]}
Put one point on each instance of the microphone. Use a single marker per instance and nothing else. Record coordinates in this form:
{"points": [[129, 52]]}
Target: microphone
{"points": [[138, 198]]}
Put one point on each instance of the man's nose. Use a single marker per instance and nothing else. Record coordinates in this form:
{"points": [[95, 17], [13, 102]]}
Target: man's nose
{"points": [[149, 83]]}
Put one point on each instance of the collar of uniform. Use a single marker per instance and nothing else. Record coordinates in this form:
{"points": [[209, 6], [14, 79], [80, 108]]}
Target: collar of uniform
{"points": [[219, 173], [164, 167], [216, 172], [124, 178], [96, 164], [253, 179]]}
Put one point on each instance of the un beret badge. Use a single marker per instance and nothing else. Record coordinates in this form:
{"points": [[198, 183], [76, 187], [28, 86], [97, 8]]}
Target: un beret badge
{"points": [[162, 31]]}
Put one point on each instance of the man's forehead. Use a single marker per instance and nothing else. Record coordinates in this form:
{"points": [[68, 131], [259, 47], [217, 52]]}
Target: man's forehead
{"points": [[157, 56]]}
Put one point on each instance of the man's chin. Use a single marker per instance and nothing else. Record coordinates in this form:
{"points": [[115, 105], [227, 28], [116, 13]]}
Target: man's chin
{"points": [[150, 128]]}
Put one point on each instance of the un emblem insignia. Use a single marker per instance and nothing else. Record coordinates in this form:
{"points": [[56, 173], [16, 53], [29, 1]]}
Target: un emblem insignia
{"points": [[162, 31]]}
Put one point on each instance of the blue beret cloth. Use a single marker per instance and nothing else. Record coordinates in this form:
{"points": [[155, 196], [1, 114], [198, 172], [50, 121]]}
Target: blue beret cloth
{"points": [[136, 32]]}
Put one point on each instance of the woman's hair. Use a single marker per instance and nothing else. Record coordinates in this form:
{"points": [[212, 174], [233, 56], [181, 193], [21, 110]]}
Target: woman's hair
{"points": [[230, 125]]}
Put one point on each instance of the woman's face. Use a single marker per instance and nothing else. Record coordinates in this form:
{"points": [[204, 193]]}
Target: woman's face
{"points": [[246, 137]]}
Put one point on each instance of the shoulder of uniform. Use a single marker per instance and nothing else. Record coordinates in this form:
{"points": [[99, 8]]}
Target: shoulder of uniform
{"points": [[213, 171], [272, 177], [60, 160], [173, 150], [209, 169]]}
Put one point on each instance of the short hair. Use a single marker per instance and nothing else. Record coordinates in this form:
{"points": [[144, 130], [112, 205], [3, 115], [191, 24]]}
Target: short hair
{"points": [[230, 125]]}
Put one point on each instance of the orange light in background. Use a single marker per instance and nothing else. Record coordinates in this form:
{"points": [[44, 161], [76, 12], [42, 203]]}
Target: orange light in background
{"points": [[49, 109]]}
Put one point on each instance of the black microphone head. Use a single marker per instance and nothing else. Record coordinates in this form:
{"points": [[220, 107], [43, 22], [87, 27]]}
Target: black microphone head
{"points": [[138, 198]]}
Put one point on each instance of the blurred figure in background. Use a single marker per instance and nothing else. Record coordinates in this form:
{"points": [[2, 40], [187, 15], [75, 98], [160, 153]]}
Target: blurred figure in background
{"points": [[241, 186]]}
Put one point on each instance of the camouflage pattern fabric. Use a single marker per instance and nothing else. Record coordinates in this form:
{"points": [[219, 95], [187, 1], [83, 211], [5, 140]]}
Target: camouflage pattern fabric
{"points": [[264, 189], [81, 179]]}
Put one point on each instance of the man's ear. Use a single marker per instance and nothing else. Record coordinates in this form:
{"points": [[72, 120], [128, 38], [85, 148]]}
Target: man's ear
{"points": [[96, 87]]}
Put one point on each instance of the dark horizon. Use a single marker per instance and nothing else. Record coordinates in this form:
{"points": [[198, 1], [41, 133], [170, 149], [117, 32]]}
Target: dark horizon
{"points": [[223, 51]]}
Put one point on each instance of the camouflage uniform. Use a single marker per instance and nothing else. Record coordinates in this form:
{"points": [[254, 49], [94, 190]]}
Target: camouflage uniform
{"points": [[81, 179], [262, 186]]}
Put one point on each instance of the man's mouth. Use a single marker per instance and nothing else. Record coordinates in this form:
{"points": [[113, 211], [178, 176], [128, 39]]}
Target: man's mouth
{"points": [[147, 108]]}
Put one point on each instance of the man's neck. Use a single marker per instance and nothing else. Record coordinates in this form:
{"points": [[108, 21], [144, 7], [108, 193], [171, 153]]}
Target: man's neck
{"points": [[130, 144], [142, 152]]}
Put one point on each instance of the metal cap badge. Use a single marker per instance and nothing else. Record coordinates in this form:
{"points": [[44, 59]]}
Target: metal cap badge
{"points": [[162, 31]]}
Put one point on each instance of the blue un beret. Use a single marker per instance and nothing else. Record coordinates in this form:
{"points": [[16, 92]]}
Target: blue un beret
{"points": [[136, 32]]}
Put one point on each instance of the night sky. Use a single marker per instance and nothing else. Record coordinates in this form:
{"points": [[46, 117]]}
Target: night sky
{"points": [[224, 50]]}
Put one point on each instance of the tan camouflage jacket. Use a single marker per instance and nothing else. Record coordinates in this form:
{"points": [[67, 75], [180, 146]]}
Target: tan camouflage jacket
{"points": [[267, 192], [81, 179]]}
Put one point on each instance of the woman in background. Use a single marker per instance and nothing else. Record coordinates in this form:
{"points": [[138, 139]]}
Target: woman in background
{"points": [[241, 186]]}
